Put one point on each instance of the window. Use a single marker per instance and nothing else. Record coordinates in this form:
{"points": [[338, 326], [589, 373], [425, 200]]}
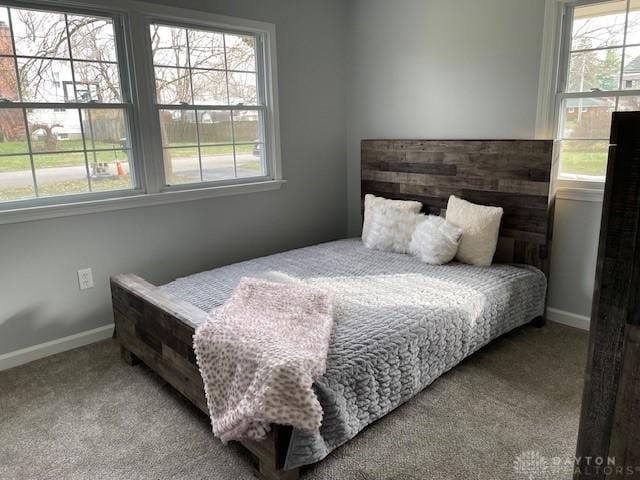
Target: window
{"points": [[64, 109], [77, 85], [600, 74], [209, 104]]}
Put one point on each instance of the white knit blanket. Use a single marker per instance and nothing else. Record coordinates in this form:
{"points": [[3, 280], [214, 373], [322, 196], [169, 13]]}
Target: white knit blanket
{"points": [[259, 354]]}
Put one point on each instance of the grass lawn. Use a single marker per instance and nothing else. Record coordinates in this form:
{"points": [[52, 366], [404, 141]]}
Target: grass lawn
{"points": [[19, 159], [100, 185], [66, 188], [584, 158]]}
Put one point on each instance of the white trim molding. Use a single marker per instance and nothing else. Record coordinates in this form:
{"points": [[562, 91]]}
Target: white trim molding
{"points": [[580, 194], [138, 86], [552, 90], [567, 318], [36, 352], [134, 201]]}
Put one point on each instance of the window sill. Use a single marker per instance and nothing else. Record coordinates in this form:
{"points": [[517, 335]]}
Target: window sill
{"points": [[133, 201], [594, 195]]}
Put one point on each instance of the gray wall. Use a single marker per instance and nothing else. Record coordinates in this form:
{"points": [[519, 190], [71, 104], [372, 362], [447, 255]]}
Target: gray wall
{"points": [[40, 300], [441, 69], [464, 69], [417, 68]]}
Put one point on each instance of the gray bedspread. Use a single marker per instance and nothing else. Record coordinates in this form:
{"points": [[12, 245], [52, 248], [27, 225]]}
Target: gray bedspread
{"points": [[399, 325]]}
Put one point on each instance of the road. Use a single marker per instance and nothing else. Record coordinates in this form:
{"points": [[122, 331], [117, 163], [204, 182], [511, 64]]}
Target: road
{"points": [[214, 166]]}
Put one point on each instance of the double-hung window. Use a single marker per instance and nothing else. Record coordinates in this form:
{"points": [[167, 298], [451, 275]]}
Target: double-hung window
{"points": [[210, 103], [64, 105], [599, 74], [145, 102]]}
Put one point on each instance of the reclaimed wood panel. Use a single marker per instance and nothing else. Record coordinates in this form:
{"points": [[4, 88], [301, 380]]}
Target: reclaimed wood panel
{"points": [[625, 437], [157, 329], [610, 417], [513, 174]]}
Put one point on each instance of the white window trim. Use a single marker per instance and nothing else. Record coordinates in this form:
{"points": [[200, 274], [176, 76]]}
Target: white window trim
{"points": [[592, 195], [577, 188], [149, 166], [146, 14], [133, 200]]}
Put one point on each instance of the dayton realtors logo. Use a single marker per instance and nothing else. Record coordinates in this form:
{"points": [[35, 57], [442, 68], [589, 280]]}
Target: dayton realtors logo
{"points": [[532, 465]]}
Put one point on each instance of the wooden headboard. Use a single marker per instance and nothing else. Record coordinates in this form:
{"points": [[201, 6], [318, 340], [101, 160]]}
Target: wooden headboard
{"points": [[513, 174]]}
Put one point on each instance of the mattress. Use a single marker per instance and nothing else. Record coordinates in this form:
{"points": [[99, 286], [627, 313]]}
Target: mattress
{"points": [[399, 324]]}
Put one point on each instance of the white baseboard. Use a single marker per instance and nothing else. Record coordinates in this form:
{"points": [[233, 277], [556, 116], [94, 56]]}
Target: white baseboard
{"points": [[568, 318], [29, 354]]}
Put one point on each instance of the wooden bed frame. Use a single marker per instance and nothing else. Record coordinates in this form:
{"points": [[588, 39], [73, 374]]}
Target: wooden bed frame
{"points": [[156, 328]]}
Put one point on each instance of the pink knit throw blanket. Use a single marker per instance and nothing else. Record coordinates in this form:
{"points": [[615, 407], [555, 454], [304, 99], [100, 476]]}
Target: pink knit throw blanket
{"points": [[259, 354]]}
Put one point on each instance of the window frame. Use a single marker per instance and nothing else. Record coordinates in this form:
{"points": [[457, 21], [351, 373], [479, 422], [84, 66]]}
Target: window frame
{"points": [[266, 59], [127, 103], [554, 70], [132, 20], [262, 109]]}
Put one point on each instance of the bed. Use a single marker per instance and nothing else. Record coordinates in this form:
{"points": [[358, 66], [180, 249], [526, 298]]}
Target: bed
{"points": [[400, 323]]}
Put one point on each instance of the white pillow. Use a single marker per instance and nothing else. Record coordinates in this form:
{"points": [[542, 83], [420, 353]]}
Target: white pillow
{"points": [[480, 225], [435, 241], [373, 204], [390, 229]]}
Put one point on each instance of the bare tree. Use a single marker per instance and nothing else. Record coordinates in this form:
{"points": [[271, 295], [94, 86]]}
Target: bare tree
{"points": [[196, 65], [593, 70]]}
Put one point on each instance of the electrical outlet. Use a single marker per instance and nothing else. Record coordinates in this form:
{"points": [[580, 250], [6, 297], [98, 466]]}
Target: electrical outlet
{"points": [[85, 278]]}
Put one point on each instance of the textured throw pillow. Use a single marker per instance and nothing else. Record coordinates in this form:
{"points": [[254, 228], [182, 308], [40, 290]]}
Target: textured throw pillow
{"points": [[435, 241], [375, 204], [390, 229], [480, 225]]}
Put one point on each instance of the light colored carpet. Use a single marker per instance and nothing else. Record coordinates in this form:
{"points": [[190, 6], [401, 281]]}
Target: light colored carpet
{"points": [[84, 415]]}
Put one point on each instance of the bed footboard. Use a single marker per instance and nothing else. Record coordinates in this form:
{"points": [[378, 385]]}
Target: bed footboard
{"points": [[156, 328]]}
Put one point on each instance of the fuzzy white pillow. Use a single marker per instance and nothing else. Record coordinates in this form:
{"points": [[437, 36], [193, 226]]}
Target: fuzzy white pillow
{"points": [[390, 229], [376, 204], [480, 225], [435, 241]]}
